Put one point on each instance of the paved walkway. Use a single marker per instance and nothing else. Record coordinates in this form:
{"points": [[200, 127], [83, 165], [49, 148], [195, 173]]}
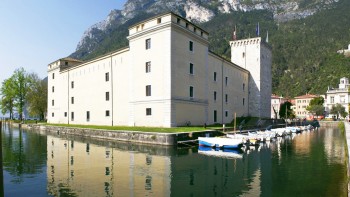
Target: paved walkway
{"points": [[347, 135]]}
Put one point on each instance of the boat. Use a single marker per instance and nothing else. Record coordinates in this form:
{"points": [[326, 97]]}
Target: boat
{"points": [[293, 129], [229, 153], [220, 142]]}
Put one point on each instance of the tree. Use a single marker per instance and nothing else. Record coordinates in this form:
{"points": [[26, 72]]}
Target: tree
{"points": [[338, 109], [316, 106], [37, 96], [7, 97], [286, 110], [21, 85]]}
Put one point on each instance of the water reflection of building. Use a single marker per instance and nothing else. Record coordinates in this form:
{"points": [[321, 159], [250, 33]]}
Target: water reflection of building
{"points": [[331, 143], [86, 169]]}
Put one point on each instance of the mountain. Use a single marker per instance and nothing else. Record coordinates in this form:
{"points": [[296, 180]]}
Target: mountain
{"points": [[304, 34]]}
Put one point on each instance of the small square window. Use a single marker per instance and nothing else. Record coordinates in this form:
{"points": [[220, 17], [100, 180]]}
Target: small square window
{"points": [[148, 111], [191, 69], [159, 20], [66, 63], [107, 76], [148, 43], [191, 46], [148, 90], [107, 113], [148, 67], [186, 25]]}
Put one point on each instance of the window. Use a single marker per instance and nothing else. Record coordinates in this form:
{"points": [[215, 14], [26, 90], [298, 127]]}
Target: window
{"points": [[226, 113], [186, 25], [107, 96], [72, 116], [53, 114], [53, 75], [159, 20], [53, 88], [107, 113], [243, 101], [72, 84], [191, 46], [191, 91], [214, 95], [148, 67], [226, 98], [243, 86], [201, 33], [148, 43], [148, 90], [107, 76], [226, 81], [66, 63], [194, 29], [215, 78], [65, 114], [243, 54], [148, 111], [215, 116], [53, 102], [72, 100], [191, 68], [332, 99], [88, 116], [178, 20]]}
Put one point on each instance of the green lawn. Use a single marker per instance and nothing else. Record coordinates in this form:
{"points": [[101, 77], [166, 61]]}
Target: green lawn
{"points": [[144, 129]]}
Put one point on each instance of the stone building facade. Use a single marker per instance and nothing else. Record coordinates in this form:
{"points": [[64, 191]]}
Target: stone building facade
{"points": [[167, 77]]}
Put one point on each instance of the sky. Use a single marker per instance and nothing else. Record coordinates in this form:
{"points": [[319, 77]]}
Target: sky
{"points": [[37, 32]]}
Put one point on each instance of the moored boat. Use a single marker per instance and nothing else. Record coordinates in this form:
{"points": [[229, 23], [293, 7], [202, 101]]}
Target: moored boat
{"points": [[220, 142]]}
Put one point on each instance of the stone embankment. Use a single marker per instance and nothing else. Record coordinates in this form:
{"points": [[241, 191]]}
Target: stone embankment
{"points": [[168, 139]]}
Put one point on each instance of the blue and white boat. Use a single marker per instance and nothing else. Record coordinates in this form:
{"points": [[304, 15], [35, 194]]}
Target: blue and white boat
{"points": [[218, 142]]}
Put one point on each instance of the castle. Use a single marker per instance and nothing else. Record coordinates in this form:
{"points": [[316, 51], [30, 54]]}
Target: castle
{"points": [[167, 77]]}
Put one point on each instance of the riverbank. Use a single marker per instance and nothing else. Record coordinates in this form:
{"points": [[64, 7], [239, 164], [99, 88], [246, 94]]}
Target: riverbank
{"points": [[347, 135]]}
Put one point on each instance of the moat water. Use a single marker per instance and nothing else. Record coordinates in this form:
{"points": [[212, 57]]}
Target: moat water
{"points": [[312, 163]]}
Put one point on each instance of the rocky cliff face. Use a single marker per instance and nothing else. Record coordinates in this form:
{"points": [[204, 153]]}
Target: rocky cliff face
{"points": [[198, 11]]}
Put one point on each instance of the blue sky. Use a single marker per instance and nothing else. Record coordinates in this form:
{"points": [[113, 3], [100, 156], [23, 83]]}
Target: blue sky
{"points": [[37, 32]]}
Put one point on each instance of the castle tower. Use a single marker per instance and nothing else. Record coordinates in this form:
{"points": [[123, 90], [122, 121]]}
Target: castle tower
{"points": [[255, 55]]}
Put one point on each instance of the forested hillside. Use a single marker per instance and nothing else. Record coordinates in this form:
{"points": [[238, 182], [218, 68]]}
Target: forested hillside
{"points": [[304, 50]]}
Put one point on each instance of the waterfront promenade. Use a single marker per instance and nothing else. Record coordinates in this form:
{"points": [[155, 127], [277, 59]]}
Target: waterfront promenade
{"points": [[347, 134]]}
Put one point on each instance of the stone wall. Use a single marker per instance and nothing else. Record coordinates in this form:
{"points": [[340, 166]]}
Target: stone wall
{"points": [[168, 139]]}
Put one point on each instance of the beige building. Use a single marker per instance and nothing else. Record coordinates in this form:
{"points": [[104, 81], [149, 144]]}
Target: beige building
{"points": [[301, 103], [167, 77]]}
